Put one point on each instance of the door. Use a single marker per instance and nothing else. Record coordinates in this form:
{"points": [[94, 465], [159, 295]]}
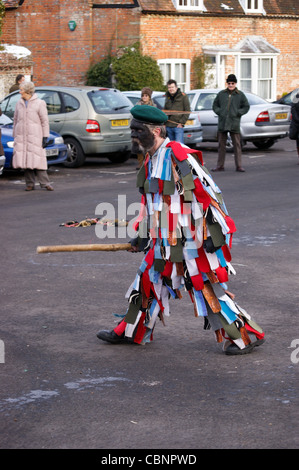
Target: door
{"points": [[54, 107]]}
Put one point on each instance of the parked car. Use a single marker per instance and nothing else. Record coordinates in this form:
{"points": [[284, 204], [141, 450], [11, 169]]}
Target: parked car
{"points": [[263, 125], [290, 98], [93, 121], [192, 129], [56, 150]]}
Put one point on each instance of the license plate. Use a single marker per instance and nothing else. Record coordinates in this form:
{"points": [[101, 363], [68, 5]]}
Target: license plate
{"points": [[281, 115], [51, 152], [119, 122], [190, 122]]}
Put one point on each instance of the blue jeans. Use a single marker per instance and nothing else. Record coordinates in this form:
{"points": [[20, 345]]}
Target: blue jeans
{"points": [[175, 133]]}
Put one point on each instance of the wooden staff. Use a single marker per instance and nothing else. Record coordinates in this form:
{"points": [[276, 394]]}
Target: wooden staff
{"points": [[168, 111], [93, 247]]}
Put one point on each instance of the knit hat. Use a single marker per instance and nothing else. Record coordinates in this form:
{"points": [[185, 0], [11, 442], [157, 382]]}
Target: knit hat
{"points": [[148, 114], [231, 78], [146, 91]]}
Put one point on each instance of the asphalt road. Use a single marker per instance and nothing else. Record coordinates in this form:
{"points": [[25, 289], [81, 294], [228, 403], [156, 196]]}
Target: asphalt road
{"points": [[62, 388]]}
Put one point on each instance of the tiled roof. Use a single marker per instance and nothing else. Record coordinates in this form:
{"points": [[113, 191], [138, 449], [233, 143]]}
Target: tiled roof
{"points": [[222, 7], [157, 5], [114, 3]]}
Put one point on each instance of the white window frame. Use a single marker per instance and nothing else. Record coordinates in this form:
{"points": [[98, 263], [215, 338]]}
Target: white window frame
{"points": [[189, 5], [252, 6], [168, 69], [255, 78]]}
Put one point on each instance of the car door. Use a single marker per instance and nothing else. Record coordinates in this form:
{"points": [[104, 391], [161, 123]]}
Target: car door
{"points": [[56, 113], [209, 120]]}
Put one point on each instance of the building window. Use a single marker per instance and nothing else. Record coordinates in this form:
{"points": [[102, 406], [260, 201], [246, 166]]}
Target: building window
{"points": [[189, 5], [258, 75], [252, 6], [178, 70]]}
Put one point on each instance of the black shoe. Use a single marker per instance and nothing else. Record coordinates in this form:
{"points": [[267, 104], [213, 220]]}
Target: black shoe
{"points": [[258, 342], [234, 350], [111, 337]]}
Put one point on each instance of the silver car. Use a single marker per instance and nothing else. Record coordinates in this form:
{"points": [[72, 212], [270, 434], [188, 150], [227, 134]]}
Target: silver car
{"points": [[93, 121], [192, 128], [263, 125]]}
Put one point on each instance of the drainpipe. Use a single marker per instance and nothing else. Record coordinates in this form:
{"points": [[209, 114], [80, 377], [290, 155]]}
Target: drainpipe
{"points": [[90, 3]]}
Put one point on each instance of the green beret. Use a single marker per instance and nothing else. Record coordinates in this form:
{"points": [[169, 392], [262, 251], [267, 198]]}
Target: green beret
{"points": [[148, 114]]}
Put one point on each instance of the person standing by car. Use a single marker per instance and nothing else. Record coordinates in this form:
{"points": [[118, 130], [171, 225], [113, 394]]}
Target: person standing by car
{"points": [[30, 132], [230, 105], [146, 99], [176, 100], [16, 86], [294, 126]]}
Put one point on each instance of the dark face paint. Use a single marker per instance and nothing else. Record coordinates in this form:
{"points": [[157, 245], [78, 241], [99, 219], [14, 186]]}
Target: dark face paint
{"points": [[142, 138]]}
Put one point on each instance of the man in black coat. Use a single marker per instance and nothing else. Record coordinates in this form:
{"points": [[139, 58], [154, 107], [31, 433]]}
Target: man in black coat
{"points": [[230, 105]]}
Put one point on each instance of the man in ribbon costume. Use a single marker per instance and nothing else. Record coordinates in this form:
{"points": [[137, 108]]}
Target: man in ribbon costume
{"points": [[186, 234]]}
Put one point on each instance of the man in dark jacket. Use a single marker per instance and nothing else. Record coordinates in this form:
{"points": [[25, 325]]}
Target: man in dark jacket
{"points": [[230, 105], [294, 127], [175, 101]]}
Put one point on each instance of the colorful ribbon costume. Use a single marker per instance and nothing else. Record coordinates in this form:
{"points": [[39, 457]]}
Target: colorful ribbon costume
{"points": [[186, 232]]}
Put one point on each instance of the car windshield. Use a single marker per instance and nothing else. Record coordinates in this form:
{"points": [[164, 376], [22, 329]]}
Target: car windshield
{"points": [[109, 101]]}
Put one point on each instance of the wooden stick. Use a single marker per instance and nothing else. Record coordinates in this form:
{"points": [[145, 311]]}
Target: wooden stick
{"points": [[168, 111], [95, 247]]}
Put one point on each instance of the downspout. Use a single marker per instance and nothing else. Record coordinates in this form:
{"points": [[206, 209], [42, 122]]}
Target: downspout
{"points": [[90, 3]]}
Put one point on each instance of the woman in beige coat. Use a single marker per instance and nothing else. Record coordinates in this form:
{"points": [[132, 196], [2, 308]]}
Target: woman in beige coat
{"points": [[30, 132]]}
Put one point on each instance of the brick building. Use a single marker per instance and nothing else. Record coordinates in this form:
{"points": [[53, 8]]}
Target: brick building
{"points": [[258, 40]]}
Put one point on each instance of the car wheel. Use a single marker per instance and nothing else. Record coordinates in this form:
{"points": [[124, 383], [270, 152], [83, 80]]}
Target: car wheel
{"points": [[120, 157], [76, 155], [264, 144]]}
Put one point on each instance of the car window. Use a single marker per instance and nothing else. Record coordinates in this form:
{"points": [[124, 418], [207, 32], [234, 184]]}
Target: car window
{"points": [[70, 103], [109, 101], [205, 101], [254, 99], [52, 100], [8, 105], [134, 99], [159, 101]]}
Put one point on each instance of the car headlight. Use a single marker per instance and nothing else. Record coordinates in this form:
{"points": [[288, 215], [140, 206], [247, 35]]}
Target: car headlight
{"points": [[10, 144], [59, 140]]}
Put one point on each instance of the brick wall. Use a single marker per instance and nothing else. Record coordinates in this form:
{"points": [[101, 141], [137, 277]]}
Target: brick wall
{"points": [[62, 56], [168, 37]]}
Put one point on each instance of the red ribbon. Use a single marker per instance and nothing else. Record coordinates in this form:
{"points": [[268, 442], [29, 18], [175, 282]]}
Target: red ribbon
{"points": [[181, 153]]}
